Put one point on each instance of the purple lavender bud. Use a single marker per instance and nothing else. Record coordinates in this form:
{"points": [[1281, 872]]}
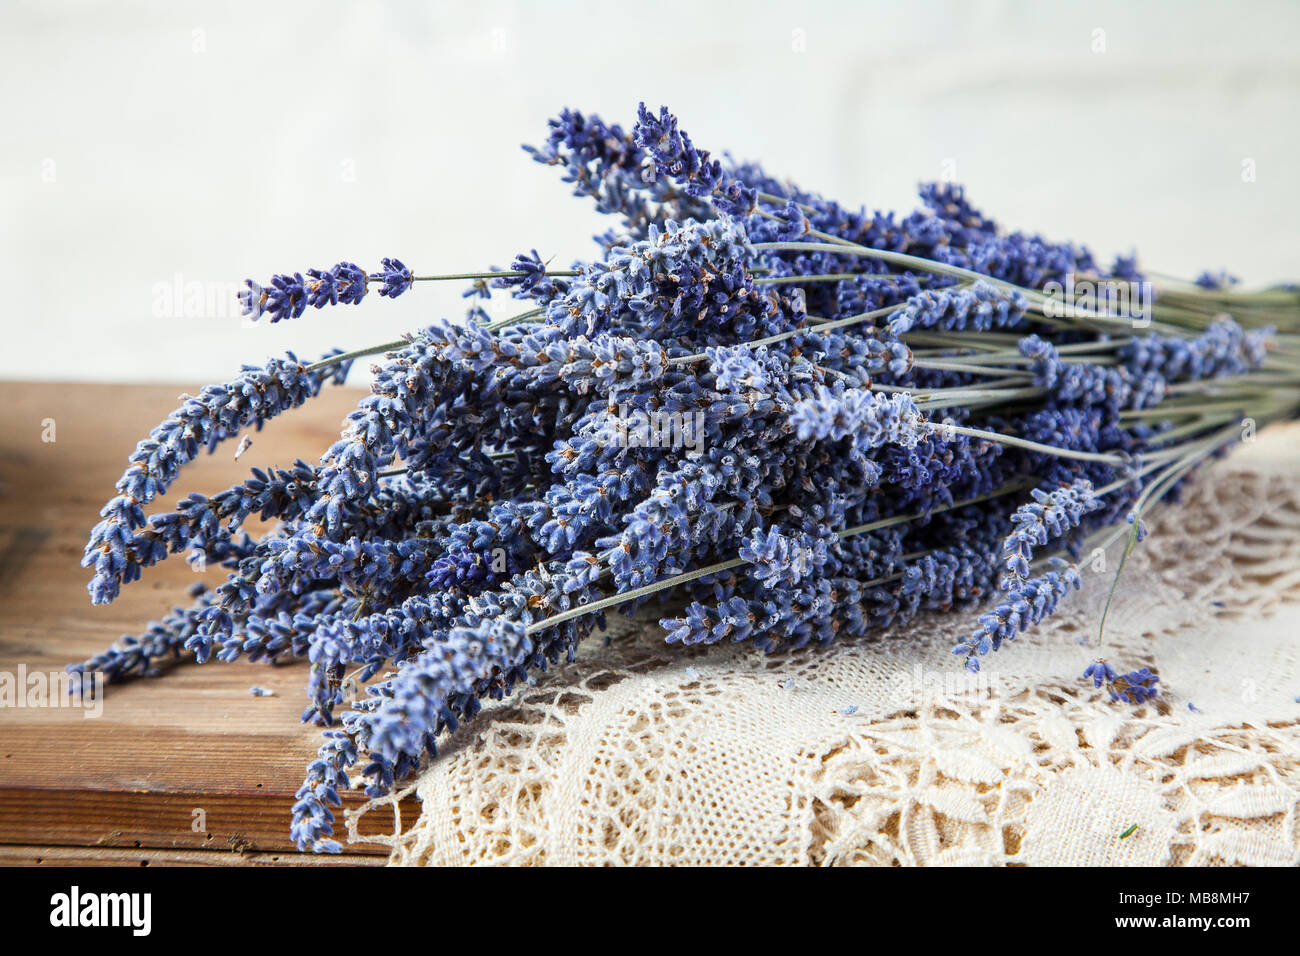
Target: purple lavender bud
{"points": [[1216, 280], [1100, 672], [1136, 687], [253, 300], [396, 278], [322, 288], [351, 282], [286, 298]]}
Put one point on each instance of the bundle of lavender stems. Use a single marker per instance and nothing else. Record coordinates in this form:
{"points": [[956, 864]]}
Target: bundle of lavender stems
{"points": [[785, 421]]}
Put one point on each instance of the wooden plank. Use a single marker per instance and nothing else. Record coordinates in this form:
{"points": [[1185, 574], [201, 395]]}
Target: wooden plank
{"points": [[13, 855], [195, 739]]}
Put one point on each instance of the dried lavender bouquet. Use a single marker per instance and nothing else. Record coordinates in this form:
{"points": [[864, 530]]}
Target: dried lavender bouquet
{"points": [[793, 420]]}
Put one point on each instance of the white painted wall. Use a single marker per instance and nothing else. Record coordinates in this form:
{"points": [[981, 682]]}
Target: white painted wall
{"points": [[148, 141]]}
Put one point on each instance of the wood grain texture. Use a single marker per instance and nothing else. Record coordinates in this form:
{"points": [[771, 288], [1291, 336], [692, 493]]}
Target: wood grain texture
{"points": [[194, 739], [15, 855]]}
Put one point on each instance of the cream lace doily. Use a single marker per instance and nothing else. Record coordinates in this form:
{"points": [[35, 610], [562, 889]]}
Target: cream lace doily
{"points": [[641, 753]]}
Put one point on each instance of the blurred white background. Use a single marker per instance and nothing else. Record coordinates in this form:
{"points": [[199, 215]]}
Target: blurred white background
{"points": [[146, 146]]}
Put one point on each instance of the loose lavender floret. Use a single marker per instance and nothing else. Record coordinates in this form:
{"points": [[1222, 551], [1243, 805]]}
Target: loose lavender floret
{"points": [[1135, 687], [1100, 672]]}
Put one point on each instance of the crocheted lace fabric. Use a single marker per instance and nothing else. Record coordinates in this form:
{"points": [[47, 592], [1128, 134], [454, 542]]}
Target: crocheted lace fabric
{"points": [[642, 753]]}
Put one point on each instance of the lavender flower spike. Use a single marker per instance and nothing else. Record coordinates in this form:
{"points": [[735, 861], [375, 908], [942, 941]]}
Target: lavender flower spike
{"points": [[678, 159], [288, 296], [871, 419], [217, 413], [1025, 604], [1050, 515]]}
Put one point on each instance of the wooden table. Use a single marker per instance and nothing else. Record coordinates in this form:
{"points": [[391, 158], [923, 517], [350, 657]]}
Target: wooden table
{"points": [[124, 788]]}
